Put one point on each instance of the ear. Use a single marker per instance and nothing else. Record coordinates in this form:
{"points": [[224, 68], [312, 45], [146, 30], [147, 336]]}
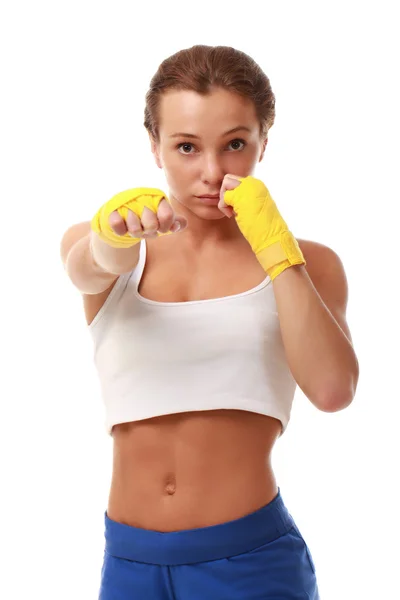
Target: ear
{"points": [[155, 151], [265, 142]]}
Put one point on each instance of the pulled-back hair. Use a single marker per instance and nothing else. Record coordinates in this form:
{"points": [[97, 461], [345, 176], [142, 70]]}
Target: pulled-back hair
{"points": [[202, 68]]}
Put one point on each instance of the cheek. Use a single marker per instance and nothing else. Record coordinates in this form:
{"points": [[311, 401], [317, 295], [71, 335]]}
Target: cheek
{"points": [[178, 175], [179, 170], [172, 161], [243, 158]]}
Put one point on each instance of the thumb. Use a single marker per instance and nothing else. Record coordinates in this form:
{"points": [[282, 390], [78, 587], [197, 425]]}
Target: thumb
{"points": [[179, 225]]}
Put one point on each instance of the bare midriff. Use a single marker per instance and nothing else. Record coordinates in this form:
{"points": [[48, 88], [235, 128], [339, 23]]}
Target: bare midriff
{"points": [[192, 469]]}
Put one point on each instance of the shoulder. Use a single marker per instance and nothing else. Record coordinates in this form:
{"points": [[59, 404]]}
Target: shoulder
{"points": [[327, 273], [320, 259]]}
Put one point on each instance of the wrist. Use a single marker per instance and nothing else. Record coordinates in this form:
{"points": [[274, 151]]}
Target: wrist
{"points": [[282, 252], [113, 259]]}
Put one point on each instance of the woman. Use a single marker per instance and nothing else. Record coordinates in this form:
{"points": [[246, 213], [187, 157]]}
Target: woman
{"points": [[205, 313]]}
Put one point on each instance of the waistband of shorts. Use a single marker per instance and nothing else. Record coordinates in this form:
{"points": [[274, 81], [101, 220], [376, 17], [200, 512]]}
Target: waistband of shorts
{"points": [[201, 544]]}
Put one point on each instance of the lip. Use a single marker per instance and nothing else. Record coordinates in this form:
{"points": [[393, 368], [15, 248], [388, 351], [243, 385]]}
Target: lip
{"points": [[209, 200], [209, 196]]}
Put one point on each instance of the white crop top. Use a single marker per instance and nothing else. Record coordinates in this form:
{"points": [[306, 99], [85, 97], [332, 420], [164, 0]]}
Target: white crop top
{"points": [[158, 358]]}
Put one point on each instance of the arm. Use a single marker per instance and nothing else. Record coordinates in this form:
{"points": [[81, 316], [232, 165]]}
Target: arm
{"points": [[311, 305], [91, 264], [96, 252]]}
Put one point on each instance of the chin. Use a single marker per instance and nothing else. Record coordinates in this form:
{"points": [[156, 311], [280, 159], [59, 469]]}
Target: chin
{"points": [[209, 213]]}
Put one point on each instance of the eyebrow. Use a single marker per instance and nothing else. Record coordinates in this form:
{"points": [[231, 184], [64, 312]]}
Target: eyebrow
{"points": [[191, 135]]}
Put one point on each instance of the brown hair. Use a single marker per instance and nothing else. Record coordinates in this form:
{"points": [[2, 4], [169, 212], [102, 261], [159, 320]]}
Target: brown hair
{"points": [[200, 68]]}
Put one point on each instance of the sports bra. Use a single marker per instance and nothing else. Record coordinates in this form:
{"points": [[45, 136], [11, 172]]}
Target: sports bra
{"points": [[158, 358]]}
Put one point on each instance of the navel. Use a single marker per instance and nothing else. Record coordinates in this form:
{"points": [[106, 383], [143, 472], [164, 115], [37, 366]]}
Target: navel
{"points": [[170, 484]]}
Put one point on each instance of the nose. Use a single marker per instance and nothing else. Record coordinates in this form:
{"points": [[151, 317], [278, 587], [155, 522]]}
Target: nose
{"points": [[212, 170]]}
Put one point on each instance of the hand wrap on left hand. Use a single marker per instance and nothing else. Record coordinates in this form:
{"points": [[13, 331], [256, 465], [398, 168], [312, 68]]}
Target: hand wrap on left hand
{"points": [[262, 225]]}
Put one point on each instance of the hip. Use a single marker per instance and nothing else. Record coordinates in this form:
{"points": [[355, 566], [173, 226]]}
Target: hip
{"points": [[261, 554]]}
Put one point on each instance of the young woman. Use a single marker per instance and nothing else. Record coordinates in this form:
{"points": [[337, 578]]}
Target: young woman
{"points": [[206, 312]]}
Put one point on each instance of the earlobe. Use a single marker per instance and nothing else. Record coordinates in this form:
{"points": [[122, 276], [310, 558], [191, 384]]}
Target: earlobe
{"points": [[263, 149], [157, 159], [155, 152]]}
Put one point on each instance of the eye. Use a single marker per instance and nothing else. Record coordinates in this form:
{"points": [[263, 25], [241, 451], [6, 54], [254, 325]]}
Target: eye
{"points": [[185, 145], [238, 142]]}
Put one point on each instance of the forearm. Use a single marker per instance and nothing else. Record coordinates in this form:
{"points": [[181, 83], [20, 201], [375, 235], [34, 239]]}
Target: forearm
{"points": [[320, 356], [113, 260], [92, 265]]}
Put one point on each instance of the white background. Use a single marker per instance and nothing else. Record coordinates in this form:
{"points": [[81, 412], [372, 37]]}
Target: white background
{"points": [[73, 80]]}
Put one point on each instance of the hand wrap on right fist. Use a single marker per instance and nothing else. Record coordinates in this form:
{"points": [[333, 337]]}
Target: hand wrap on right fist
{"points": [[135, 200]]}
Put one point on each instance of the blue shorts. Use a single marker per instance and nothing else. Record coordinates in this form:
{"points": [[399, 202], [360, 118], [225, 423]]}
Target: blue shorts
{"points": [[257, 557]]}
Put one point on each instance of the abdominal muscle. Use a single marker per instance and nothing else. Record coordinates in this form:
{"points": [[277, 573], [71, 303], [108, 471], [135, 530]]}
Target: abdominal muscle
{"points": [[193, 469]]}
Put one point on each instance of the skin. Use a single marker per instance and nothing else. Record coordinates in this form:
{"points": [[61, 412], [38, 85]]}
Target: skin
{"points": [[208, 165], [200, 166], [198, 468]]}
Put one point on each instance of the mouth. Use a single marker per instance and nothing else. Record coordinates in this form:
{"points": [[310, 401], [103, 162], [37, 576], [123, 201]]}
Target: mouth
{"points": [[211, 200]]}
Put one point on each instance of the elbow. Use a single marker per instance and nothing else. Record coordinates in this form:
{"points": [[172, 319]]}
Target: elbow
{"points": [[334, 403], [335, 400]]}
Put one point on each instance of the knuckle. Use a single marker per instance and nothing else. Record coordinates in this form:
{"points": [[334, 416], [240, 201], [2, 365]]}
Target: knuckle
{"points": [[166, 218], [115, 218], [150, 224], [164, 208], [149, 219]]}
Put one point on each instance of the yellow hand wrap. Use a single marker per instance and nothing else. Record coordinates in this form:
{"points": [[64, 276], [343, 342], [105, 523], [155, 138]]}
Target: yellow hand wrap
{"points": [[263, 227], [135, 200]]}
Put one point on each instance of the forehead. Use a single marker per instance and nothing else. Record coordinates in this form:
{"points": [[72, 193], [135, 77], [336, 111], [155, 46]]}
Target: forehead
{"points": [[183, 110]]}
